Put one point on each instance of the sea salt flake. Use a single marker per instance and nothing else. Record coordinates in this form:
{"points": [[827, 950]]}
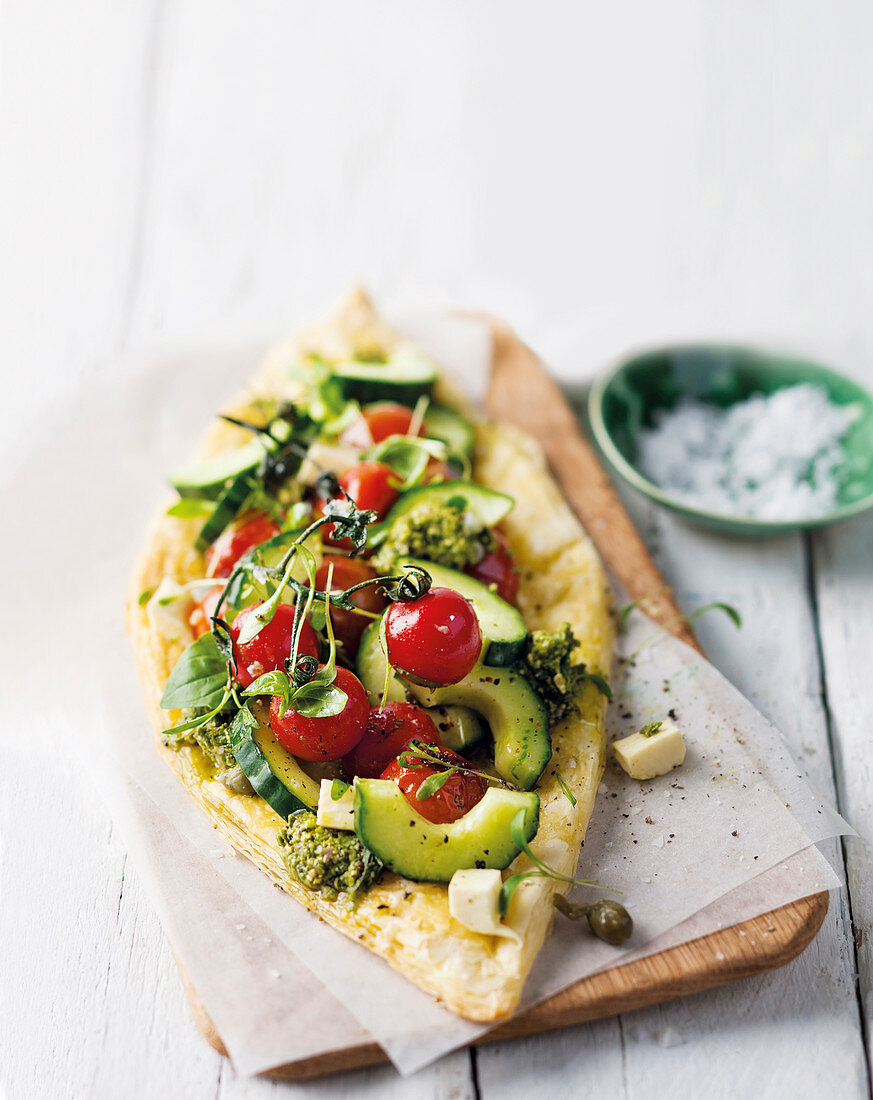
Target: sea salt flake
{"points": [[772, 457]]}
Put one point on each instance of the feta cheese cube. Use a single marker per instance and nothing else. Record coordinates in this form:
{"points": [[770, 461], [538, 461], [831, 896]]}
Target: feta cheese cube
{"points": [[646, 755], [474, 901], [168, 611], [335, 813]]}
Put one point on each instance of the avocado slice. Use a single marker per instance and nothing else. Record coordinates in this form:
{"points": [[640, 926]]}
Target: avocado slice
{"points": [[459, 728], [448, 426], [410, 845], [501, 624], [517, 716], [370, 668], [487, 505]]}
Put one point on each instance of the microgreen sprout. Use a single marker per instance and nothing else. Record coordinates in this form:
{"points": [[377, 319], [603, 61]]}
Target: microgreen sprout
{"points": [[419, 754], [543, 870]]}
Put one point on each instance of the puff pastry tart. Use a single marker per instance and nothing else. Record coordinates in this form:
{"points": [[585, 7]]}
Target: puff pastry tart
{"points": [[375, 642]]}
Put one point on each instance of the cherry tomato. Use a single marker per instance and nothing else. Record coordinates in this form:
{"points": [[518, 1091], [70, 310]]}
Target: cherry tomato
{"points": [[324, 738], [201, 616], [458, 795], [435, 639], [498, 568], [389, 731], [269, 648], [348, 572], [242, 535], [377, 422], [371, 485]]}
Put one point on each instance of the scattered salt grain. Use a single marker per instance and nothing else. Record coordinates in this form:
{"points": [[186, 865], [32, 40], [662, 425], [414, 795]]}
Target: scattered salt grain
{"points": [[771, 457]]}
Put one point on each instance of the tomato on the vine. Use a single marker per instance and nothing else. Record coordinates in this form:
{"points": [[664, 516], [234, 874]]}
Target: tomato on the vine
{"points": [[244, 534], [498, 568], [347, 572], [389, 731], [371, 485], [457, 796], [377, 422], [268, 649], [325, 738], [434, 639]]}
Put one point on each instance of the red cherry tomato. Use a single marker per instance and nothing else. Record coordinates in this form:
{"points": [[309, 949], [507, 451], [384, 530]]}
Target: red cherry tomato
{"points": [[389, 731], [458, 795], [324, 738], [269, 648], [371, 485], [498, 568], [201, 616], [242, 535], [348, 572], [435, 639], [377, 422]]}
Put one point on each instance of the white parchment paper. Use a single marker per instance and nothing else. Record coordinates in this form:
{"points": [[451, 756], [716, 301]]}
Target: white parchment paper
{"points": [[688, 851]]}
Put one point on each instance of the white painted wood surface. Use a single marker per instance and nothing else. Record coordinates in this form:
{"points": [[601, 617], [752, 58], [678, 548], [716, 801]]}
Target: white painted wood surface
{"points": [[601, 175]]}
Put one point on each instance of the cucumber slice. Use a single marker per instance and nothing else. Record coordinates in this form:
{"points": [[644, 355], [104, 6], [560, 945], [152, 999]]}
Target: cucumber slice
{"points": [[272, 770], [408, 844], [404, 378], [501, 624], [227, 508], [370, 668], [459, 728], [208, 478], [443, 423], [487, 505], [517, 716]]}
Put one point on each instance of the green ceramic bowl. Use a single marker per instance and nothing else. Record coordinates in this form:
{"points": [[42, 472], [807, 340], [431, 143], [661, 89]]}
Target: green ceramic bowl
{"points": [[625, 399]]}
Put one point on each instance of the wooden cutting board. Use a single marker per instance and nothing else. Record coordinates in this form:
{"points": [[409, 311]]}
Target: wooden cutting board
{"points": [[522, 393]]}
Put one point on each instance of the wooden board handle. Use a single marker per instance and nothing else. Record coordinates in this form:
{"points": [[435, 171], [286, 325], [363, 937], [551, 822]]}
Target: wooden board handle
{"points": [[522, 393]]}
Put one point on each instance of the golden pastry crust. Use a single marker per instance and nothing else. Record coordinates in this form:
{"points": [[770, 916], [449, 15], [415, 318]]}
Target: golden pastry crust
{"points": [[408, 924]]}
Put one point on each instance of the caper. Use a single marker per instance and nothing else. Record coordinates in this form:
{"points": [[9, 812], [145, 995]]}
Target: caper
{"points": [[610, 921]]}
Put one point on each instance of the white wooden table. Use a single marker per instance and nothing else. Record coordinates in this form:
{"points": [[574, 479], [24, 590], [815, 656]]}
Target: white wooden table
{"points": [[600, 175]]}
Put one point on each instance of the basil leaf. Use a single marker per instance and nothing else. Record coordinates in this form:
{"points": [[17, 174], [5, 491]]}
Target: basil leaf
{"points": [[191, 507], [319, 700], [408, 458], [175, 732], [272, 683], [198, 678]]}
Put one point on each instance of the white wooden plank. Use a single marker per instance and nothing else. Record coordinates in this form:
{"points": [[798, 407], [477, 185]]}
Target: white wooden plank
{"points": [[843, 557], [92, 1003], [773, 660], [450, 1080], [747, 1036]]}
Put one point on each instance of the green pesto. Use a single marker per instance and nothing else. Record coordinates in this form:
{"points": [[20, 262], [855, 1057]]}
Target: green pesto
{"points": [[438, 533], [547, 663], [212, 740], [331, 861]]}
